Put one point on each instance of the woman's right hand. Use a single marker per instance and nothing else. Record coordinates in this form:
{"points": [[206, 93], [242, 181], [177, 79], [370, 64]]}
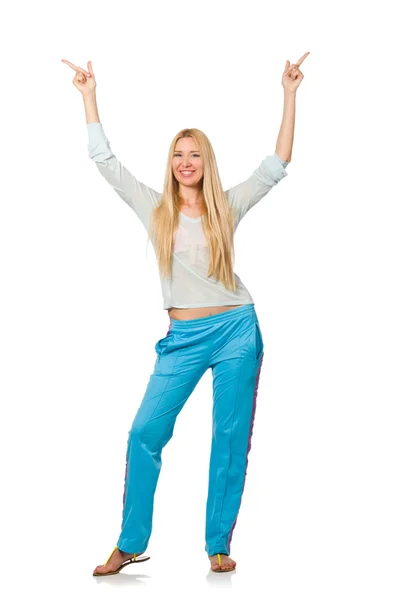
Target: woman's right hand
{"points": [[83, 80]]}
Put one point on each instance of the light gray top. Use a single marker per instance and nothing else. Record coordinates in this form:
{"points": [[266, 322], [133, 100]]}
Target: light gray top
{"points": [[189, 286]]}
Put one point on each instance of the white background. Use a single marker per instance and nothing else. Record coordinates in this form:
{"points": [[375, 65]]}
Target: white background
{"points": [[81, 306]]}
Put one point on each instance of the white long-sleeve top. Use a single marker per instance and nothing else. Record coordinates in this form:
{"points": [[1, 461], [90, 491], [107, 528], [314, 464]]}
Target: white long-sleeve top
{"points": [[189, 286]]}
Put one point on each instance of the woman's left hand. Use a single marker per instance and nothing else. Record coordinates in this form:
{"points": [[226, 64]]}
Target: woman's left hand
{"points": [[292, 75]]}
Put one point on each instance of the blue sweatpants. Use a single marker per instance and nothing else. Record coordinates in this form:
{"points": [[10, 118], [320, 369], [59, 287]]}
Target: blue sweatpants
{"points": [[231, 344]]}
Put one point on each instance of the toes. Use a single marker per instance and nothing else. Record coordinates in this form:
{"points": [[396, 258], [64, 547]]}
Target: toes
{"points": [[101, 569], [226, 565]]}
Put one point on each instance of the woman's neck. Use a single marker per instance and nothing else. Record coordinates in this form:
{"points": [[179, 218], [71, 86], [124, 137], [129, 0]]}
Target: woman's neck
{"points": [[192, 200]]}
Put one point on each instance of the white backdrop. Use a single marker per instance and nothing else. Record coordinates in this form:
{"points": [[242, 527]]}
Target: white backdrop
{"points": [[318, 517]]}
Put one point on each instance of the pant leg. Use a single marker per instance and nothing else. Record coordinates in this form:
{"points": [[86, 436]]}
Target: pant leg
{"points": [[235, 383], [176, 373]]}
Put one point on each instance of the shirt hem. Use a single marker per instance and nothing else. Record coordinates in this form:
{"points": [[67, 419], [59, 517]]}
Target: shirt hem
{"points": [[206, 305]]}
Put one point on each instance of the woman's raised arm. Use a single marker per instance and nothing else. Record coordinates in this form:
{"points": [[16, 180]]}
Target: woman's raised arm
{"points": [[141, 198]]}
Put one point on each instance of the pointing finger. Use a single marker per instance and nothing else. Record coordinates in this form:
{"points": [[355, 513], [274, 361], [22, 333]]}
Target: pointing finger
{"points": [[77, 69], [71, 65], [302, 58]]}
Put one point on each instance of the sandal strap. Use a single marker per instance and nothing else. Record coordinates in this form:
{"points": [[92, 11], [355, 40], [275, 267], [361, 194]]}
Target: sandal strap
{"points": [[117, 548], [111, 554]]}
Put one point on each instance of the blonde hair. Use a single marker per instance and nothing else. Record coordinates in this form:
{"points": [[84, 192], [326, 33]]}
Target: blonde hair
{"points": [[217, 221]]}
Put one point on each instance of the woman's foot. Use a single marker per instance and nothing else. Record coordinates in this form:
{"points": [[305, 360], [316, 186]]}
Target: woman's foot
{"points": [[116, 559], [226, 562]]}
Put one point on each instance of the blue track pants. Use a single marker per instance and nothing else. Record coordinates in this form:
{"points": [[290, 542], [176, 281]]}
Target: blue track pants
{"points": [[231, 344]]}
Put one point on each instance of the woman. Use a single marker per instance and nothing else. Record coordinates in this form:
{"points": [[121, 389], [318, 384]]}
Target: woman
{"points": [[213, 322]]}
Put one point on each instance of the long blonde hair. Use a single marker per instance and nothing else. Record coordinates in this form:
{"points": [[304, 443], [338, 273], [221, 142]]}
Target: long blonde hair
{"points": [[217, 221]]}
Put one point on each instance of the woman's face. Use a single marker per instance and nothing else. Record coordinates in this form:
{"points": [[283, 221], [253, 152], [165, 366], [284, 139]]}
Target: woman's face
{"points": [[187, 163]]}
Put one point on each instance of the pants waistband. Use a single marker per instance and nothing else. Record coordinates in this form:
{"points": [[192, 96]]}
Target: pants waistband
{"points": [[202, 321]]}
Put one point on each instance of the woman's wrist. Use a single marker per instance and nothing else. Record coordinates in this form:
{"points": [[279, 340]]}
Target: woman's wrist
{"points": [[91, 109]]}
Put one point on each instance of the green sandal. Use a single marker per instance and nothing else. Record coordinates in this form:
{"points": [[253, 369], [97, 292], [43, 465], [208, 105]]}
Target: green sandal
{"points": [[129, 561], [222, 570]]}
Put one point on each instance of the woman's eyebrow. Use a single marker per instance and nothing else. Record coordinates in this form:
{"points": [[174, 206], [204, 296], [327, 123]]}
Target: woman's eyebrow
{"points": [[190, 151]]}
